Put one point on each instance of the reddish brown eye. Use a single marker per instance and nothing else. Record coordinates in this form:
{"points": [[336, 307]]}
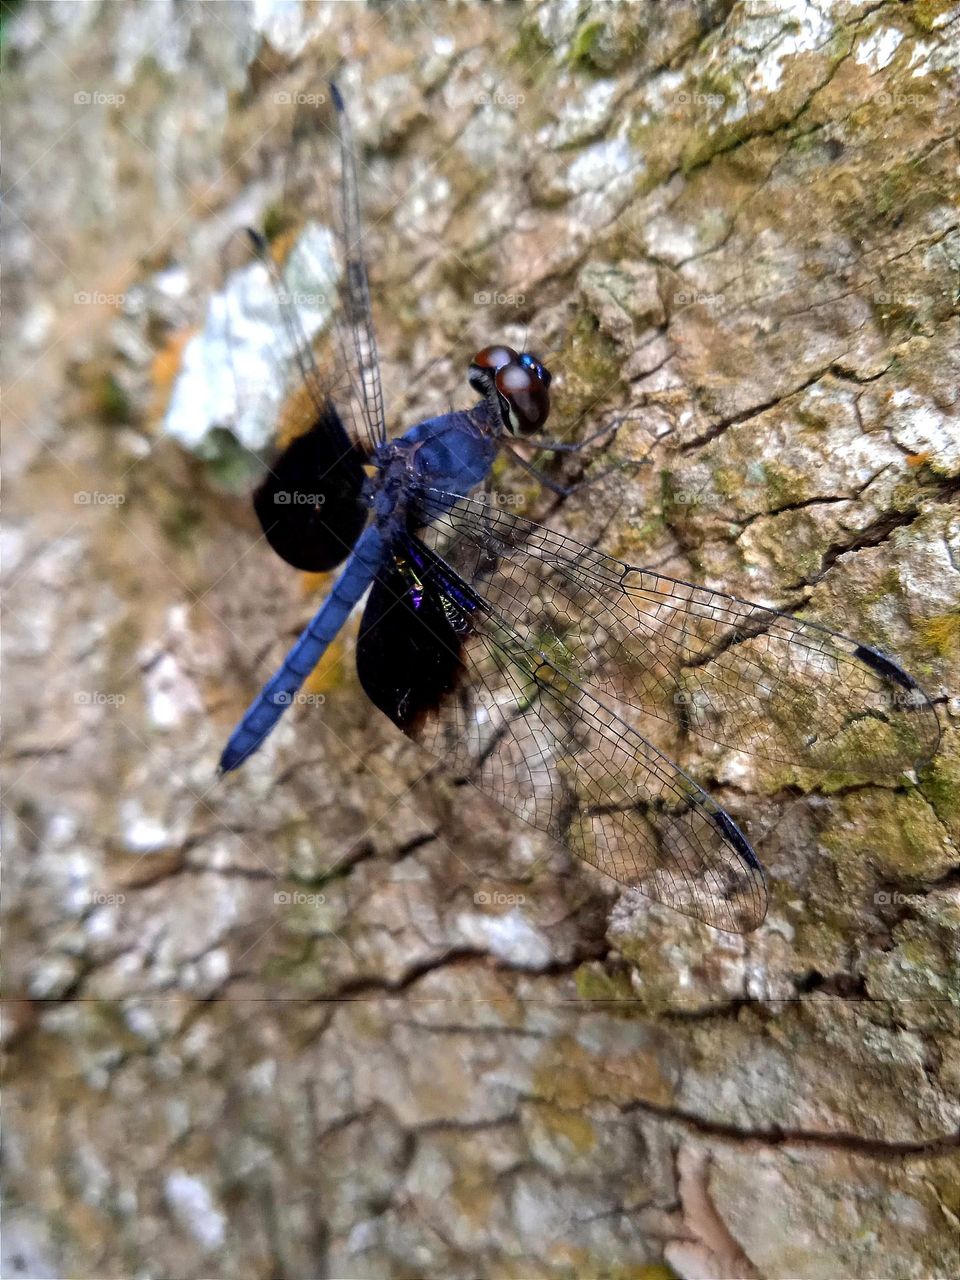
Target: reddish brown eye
{"points": [[494, 357], [520, 382], [487, 362], [525, 394]]}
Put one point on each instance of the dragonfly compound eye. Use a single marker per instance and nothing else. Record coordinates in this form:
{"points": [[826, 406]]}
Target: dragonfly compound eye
{"points": [[533, 364], [486, 363], [522, 387]]}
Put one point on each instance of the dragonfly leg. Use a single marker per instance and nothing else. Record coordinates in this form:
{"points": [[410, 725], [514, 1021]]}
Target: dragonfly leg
{"points": [[574, 446], [562, 490], [486, 496]]}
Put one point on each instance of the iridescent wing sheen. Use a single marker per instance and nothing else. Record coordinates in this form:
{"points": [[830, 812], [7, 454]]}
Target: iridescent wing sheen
{"points": [[740, 674], [453, 675]]}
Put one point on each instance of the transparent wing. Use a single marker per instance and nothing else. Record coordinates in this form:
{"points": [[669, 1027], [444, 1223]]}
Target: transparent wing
{"points": [[454, 676], [299, 329], [738, 673], [251, 370], [309, 503], [321, 142], [308, 278], [356, 287]]}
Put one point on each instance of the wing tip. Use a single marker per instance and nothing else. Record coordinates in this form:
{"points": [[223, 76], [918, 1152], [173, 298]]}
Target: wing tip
{"points": [[891, 671], [746, 907], [883, 666], [734, 836], [337, 96]]}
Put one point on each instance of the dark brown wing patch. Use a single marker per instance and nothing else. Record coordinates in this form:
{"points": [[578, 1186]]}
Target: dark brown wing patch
{"points": [[310, 506], [410, 651]]}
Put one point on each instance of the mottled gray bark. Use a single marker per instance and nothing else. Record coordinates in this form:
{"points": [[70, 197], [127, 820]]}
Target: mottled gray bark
{"points": [[336, 1017]]}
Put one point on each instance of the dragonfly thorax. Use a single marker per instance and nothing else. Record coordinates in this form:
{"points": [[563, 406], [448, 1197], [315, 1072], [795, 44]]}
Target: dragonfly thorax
{"points": [[515, 384], [394, 463]]}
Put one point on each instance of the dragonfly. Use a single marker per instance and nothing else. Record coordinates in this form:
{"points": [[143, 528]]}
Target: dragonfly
{"points": [[534, 666]]}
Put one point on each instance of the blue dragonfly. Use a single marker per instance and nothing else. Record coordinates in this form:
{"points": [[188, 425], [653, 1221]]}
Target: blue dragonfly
{"points": [[531, 664]]}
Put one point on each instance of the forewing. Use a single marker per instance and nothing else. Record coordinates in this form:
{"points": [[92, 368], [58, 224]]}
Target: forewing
{"points": [[454, 676], [321, 187], [312, 277], [741, 674], [356, 284], [309, 502], [309, 505]]}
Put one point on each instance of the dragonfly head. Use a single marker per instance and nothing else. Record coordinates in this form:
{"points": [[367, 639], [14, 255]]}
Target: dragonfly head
{"points": [[516, 384]]}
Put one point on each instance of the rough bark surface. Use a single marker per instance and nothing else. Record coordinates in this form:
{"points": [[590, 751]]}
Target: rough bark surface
{"points": [[336, 1017]]}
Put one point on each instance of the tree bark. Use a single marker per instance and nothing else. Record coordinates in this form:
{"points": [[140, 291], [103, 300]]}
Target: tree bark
{"points": [[337, 1016]]}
